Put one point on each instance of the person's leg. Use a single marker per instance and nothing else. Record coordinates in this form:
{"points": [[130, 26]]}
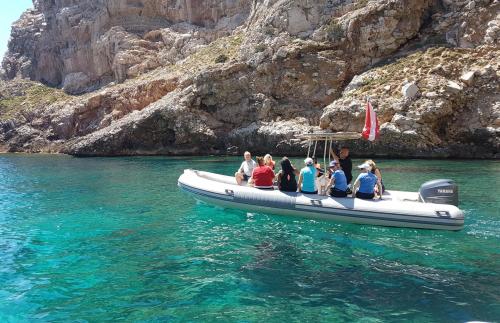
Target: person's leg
{"points": [[364, 196], [239, 177], [337, 193]]}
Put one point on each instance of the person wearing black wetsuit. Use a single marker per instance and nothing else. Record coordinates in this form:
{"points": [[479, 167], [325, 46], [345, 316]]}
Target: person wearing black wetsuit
{"points": [[345, 162]]}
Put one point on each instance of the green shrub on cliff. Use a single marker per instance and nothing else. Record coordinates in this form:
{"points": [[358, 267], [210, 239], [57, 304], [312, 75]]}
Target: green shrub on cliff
{"points": [[334, 31], [25, 96], [223, 48]]}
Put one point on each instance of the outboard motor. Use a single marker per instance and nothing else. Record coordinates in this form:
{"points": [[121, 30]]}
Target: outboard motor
{"points": [[439, 191]]}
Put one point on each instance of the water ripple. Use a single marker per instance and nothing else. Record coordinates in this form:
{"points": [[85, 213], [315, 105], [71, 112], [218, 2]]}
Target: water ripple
{"points": [[113, 239]]}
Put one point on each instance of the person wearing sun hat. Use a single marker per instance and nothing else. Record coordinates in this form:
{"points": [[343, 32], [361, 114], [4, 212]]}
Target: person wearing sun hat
{"points": [[364, 186], [307, 178], [338, 180]]}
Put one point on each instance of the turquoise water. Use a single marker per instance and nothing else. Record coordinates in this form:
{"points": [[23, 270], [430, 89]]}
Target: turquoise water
{"points": [[100, 239]]}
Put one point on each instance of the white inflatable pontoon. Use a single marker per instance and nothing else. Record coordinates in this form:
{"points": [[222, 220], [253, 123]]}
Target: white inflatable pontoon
{"points": [[396, 209]]}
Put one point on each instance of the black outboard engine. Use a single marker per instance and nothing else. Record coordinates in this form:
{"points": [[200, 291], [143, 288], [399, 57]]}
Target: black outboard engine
{"points": [[439, 191]]}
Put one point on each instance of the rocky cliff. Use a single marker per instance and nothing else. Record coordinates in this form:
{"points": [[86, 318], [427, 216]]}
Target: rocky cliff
{"points": [[124, 77]]}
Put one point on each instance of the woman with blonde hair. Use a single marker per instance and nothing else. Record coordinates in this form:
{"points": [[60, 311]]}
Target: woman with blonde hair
{"points": [[376, 171], [364, 186], [268, 161]]}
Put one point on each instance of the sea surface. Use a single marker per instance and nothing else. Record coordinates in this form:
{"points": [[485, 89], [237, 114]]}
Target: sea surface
{"points": [[113, 239]]}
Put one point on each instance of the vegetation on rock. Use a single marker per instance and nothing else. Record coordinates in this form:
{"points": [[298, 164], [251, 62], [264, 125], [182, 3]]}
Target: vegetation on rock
{"points": [[216, 77], [21, 97]]}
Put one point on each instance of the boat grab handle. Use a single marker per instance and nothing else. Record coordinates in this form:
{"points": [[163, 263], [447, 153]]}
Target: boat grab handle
{"points": [[229, 192], [443, 214], [317, 202]]}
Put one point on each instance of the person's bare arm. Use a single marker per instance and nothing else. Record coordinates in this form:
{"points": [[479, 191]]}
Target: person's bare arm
{"points": [[330, 183], [299, 183], [379, 182], [355, 187], [379, 185], [250, 180], [333, 155]]}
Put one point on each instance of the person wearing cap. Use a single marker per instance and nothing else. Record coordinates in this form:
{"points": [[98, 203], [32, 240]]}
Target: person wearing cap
{"points": [[307, 178], [366, 183], [345, 163], [338, 181]]}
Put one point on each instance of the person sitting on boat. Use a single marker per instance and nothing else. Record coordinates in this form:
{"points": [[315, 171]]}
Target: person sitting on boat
{"points": [[262, 176], [375, 170], [307, 178], [345, 163], [338, 181], [268, 161], [286, 177], [366, 182], [317, 165], [245, 171]]}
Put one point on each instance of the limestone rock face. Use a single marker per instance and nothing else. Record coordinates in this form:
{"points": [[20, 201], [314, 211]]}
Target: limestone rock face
{"points": [[409, 90], [60, 41], [126, 77], [468, 77], [468, 23], [450, 118]]}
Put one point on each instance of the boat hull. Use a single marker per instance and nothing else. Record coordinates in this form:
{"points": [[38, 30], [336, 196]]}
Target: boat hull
{"points": [[393, 210]]}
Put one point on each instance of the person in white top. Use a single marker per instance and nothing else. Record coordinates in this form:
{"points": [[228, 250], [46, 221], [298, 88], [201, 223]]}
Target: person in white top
{"points": [[246, 168]]}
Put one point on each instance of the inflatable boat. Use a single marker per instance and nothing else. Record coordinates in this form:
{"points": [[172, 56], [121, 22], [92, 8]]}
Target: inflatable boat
{"points": [[433, 207]]}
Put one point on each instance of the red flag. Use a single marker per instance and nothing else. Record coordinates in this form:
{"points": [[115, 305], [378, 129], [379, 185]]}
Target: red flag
{"points": [[371, 129]]}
